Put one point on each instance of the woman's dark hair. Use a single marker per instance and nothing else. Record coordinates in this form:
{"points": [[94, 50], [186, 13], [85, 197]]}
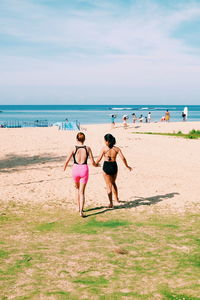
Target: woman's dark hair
{"points": [[110, 139], [80, 137]]}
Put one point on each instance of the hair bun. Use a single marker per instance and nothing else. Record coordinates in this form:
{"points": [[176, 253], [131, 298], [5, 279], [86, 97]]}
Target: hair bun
{"points": [[110, 139]]}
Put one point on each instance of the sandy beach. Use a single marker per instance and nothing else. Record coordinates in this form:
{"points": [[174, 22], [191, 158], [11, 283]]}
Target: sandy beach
{"points": [[165, 174]]}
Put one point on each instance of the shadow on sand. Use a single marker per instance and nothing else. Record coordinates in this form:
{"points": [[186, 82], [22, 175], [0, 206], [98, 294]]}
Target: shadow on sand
{"points": [[12, 162], [129, 204]]}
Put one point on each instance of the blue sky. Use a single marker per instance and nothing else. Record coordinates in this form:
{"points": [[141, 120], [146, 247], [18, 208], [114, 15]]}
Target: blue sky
{"points": [[99, 51]]}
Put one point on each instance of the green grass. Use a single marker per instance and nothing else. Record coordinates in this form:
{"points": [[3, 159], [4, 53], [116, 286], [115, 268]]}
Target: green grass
{"points": [[128, 295], [193, 260], [59, 294], [3, 254], [92, 280], [174, 296], [124, 255], [46, 226], [19, 265], [92, 226], [193, 134]]}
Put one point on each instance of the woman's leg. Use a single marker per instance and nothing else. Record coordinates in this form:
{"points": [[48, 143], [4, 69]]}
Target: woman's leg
{"points": [[82, 197], [109, 188], [77, 194], [114, 187]]}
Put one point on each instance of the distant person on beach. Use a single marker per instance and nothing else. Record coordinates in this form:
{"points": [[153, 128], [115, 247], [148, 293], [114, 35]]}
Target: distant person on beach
{"points": [[110, 169], [162, 119], [134, 117], [167, 116], [149, 117], [124, 119], [80, 170], [113, 121], [141, 118]]}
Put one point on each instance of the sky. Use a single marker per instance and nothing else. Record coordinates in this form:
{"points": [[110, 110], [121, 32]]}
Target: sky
{"points": [[100, 52]]}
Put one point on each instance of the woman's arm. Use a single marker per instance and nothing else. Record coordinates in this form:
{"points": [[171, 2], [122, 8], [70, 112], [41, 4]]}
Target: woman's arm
{"points": [[91, 157], [100, 156], [124, 159], [68, 159]]}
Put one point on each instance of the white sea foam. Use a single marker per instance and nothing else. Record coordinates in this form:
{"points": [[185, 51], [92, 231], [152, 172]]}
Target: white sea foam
{"points": [[121, 108]]}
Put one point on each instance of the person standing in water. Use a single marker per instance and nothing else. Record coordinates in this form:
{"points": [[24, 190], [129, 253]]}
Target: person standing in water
{"points": [[167, 116], [134, 117], [149, 117], [141, 118], [80, 170], [184, 116], [110, 169]]}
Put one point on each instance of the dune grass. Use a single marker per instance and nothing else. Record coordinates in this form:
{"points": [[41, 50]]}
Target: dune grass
{"points": [[54, 254], [193, 134]]}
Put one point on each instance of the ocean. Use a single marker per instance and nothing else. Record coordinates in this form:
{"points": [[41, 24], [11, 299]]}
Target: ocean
{"points": [[93, 114]]}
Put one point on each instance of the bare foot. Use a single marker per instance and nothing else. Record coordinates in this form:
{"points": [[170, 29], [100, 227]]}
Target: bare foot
{"points": [[110, 205], [81, 214], [117, 200]]}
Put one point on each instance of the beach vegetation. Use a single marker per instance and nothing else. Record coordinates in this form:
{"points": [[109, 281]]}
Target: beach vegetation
{"points": [[193, 134]]}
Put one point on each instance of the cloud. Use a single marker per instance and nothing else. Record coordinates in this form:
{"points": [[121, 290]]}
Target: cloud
{"points": [[99, 31], [97, 44]]}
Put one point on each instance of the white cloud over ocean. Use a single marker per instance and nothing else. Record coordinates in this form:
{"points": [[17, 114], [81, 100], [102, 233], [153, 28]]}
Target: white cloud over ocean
{"points": [[94, 51]]}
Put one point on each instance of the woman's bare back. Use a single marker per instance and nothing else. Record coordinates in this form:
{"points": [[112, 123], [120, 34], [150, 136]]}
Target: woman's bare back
{"points": [[110, 154], [81, 154]]}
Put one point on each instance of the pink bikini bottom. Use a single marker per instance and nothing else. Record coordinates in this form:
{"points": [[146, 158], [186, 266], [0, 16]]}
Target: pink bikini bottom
{"points": [[80, 173]]}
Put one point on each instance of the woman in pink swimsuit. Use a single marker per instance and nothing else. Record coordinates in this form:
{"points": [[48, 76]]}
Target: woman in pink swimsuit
{"points": [[80, 170]]}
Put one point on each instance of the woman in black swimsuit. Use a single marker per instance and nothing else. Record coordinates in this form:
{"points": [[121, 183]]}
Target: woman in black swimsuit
{"points": [[110, 152]]}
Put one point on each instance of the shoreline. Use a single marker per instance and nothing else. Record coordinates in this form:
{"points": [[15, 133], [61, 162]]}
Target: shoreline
{"points": [[168, 127]]}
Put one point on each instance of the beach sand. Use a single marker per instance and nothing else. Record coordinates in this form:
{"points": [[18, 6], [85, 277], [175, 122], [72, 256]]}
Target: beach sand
{"points": [[165, 176]]}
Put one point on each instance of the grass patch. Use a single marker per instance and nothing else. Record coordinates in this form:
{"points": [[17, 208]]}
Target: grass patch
{"points": [[175, 296], [3, 254], [49, 255], [92, 280], [162, 225], [159, 223], [19, 265], [47, 226], [193, 134], [59, 293], [93, 226], [193, 259], [127, 295]]}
